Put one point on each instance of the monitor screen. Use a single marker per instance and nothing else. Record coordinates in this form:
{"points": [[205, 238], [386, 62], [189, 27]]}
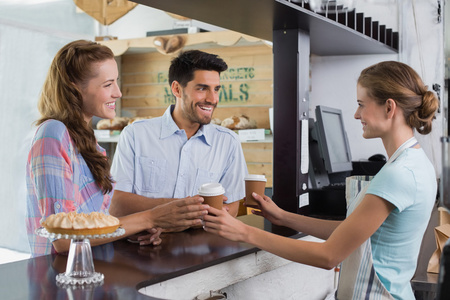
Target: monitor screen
{"points": [[332, 139]]}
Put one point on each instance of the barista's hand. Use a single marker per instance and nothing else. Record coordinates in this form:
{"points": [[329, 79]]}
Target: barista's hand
{"points": [[179, 213], [222, 223], [153, 238], [268, 209]]}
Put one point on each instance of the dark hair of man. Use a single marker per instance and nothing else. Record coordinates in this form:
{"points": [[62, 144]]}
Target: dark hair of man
{"points": [[183, 66]]}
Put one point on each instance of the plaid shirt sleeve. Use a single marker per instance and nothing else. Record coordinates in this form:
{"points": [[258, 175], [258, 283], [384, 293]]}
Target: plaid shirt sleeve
{"points": [[49, 180], [58, 180]]}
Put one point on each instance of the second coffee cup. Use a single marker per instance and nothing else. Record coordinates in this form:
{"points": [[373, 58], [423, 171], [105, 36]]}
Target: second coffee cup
{"points": [[254, 183], [213, 194]]}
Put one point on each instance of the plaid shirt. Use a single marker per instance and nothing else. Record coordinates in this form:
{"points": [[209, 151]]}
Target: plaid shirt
{"points": [[58, 180]]}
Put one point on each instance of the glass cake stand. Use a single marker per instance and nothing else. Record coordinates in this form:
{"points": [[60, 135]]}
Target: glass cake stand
{"points": [[80, 265]]}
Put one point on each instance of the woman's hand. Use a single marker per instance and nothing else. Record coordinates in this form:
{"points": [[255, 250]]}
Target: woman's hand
{"points": [[268, 209], [220, 222], [181, 213], [153, 238]]}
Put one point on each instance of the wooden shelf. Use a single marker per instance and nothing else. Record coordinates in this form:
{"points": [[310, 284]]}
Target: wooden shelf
{"points": [[202, 39], [259, 18], [111, 139]]}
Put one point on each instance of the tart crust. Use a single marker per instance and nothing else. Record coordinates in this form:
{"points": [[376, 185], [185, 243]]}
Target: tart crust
{"points": [[83, 231], [73, 223]]}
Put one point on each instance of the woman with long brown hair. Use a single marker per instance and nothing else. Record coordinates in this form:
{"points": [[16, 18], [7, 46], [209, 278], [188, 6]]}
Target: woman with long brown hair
{"points": [[67, 170]]}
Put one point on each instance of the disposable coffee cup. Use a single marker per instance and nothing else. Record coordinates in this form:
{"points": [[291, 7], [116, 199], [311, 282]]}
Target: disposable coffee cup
{"points": [[213, 194], [254, 184]]}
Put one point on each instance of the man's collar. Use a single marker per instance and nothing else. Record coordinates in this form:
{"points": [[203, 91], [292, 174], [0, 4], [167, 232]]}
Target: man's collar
{"points": [[169, 127], [204, 133]]}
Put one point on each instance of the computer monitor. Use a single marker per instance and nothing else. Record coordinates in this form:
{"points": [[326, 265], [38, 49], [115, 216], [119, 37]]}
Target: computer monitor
{"points": [[332, 137], [329, 147]]}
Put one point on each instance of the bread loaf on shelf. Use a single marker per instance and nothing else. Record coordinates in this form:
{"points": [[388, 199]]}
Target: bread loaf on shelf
{"points": [[241, 122], [117, 123]]}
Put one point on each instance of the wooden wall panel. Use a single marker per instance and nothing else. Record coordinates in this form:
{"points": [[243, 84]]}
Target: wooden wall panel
{"points": [[262, 168], [160, 100], [156, 95], [258, 152], [259, 158]]}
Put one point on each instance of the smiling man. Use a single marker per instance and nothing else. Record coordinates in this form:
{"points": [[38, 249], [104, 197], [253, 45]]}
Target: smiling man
{"points": [[161, 159]]}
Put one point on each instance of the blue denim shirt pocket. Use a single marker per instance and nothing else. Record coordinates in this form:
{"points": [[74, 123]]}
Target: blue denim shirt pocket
{"points": [[150, 174]]}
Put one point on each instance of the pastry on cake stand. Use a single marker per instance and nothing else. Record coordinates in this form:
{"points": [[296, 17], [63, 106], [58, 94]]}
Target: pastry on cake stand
{"points": [[80, 265]]}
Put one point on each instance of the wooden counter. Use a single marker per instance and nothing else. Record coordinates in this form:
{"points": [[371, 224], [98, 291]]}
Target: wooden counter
{"points": [[128, 267]]}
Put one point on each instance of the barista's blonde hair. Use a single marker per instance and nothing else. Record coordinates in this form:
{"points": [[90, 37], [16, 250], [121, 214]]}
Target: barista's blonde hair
{"points": [[61, 99], [398, 81]]}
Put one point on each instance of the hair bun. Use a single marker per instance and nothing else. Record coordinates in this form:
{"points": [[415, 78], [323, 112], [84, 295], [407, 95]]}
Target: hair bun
{"points": [[427, 112]]}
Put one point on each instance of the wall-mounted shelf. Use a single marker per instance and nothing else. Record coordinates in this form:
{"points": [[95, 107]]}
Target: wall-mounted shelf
{"points": [[258, 18]]}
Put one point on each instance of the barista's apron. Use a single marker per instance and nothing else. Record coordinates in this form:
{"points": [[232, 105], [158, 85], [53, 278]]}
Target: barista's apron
{"points": [[358, 279]]}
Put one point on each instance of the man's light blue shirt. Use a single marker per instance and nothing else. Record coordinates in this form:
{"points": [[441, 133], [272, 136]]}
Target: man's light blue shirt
{"points": [[155, 159]]}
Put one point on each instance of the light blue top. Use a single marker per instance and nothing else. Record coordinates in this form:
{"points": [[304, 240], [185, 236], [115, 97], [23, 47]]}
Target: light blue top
{"points": [[155, 159], [409, 183]]}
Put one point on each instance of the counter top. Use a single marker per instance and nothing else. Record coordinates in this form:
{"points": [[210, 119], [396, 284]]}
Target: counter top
{"points": [[127, 267]]}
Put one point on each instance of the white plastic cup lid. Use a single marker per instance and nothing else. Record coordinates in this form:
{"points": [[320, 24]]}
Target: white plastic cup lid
{"points": [[211, 189], [254, 177]]}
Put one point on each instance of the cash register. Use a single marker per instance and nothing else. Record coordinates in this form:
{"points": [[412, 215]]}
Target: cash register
{"points": [[330, 163]]}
